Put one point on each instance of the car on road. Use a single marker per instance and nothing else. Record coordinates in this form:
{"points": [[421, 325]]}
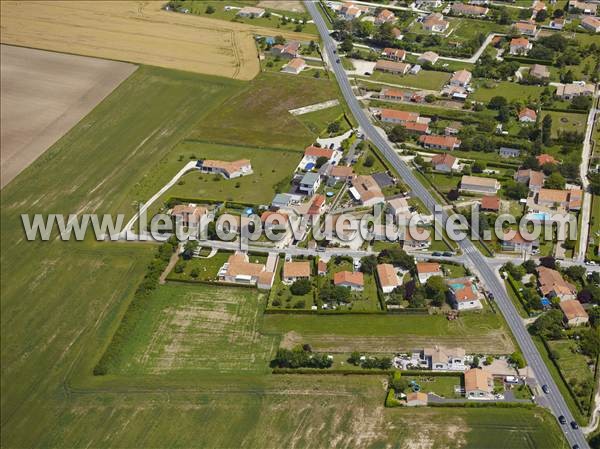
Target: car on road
{"points": [[447, 254], [576, 446], [436, 254], [545, 389], [337, 60], [574, 425], [562, 419]]}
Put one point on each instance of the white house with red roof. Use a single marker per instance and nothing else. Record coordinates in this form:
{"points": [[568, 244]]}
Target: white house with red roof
{"points": [[527, 115]]}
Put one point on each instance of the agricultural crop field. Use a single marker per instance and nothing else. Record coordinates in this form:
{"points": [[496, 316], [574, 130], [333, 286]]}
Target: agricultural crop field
{"points": [[391, 333], [196, 327], [54, 91], [138, 32]]}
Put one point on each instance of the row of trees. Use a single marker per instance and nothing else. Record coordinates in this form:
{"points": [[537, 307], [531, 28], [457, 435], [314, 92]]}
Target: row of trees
{"points": [[300, 357]]}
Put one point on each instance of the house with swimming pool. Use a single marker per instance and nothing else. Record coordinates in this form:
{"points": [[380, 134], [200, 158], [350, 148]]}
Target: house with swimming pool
{"points": [[465, 294], [312, 154]]}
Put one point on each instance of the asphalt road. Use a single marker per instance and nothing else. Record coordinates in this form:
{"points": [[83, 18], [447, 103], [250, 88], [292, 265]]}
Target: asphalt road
{"points": [[554, 400]]}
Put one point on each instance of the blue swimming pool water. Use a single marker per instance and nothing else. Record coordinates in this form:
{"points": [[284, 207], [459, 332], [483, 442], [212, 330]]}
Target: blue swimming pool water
{"points": [[309, 166], [540, 216]]}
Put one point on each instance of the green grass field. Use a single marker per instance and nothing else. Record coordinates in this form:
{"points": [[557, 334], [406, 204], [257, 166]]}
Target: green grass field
{"points": [[270, 167], [199, 7], [391, 333], [567, 121], [318, 121], [207, 268], [259, 115], [61, 302], [594, 235], [511, 91]]}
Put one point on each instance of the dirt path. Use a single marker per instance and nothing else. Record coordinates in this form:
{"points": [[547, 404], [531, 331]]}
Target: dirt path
{"points": [[593, 425], [170, 266]]}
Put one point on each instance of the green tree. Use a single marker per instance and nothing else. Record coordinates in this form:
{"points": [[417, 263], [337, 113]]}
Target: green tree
{"points": [[547, 130], [210, 9], [555, 181], [333, 127], [321, 160], [436, 290], [368, 264], [517, 359], [301, 287]]}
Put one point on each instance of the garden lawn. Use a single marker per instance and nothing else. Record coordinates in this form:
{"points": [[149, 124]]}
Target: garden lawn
{"points": [[258, 116], [207, 268], [440, 385], [366, 300], [566, 121]]}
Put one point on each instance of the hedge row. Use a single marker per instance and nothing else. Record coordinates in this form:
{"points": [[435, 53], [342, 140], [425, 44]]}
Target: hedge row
{"points": [[528, 60], [335, 372], [482, 404]]}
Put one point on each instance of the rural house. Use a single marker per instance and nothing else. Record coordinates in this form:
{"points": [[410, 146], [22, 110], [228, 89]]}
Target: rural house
{"points": [[353, 280], [397, 68], [429, 57], [366, 190], [444, 162], [440, 142], [385, 16], [573, 313], [228, 170], [388, 278], [395, 54], [239, 270], [479, 384], [552, 285], [513, 241], [310, 183], [520, 46], [440, 358], [294, 271], [251, 12], [476, 184], [425, 270], [295, 66], [435, 23], [397, 117], [188, 216], [465, 294]]}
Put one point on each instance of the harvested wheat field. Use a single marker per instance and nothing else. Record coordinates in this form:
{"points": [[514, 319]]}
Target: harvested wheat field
{"points": [[44, 94], [136, 31]]}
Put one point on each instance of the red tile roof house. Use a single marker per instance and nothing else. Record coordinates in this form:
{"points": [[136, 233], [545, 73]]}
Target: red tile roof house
{"points": [[388, 278], [317, 205], [228, 170], [289, 50], [429, 57], [366, 190], [339, 173], [270, 219], [539, 71], [520, 46], [461, 78], [444, 162], [533, 179], [440, 142], [526, 28], [479, 384], [398, 68], [354, 280], [490, 203], [397, 117], [416, 128], [295, 66], [468, 10], [425, 270], [477, 184], [385, 16], [435, 22], [552, 285], [527, 116], [294, 271], [321, 268], [389, 93], [570, 200], [573, 313], [465, 295], [591, 24], [238, 270], [312, 154], [517, 243], [395, 54]]}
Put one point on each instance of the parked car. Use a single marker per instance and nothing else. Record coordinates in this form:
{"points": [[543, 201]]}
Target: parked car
{"points": [[436, 254], [545, 389], [447, 254], [562, 419], [574, 425]]}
